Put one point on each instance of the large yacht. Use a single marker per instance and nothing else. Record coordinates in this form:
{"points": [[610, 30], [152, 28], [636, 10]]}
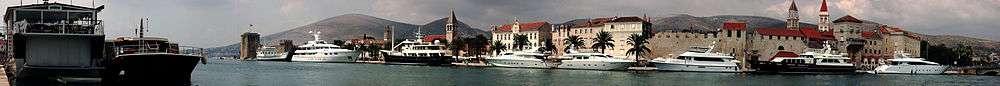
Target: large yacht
{"points": [[417, 52], [320, 51], [698, 59], [903, 64], [269, 54], [816, 61], [593, 61], [519, 60]]}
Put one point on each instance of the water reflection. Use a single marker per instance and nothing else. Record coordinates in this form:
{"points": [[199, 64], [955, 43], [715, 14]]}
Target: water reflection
{"points": [[248, 73]]}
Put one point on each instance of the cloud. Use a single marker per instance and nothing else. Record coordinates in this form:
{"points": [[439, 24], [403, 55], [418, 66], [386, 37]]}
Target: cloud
{"points": [[209, 23]]}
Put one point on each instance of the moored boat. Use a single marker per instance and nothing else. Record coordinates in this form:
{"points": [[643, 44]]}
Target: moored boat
{"points": [[519, 60], [903, 64], [593, 61], [318, 50], [417, 52], [698, 59]]}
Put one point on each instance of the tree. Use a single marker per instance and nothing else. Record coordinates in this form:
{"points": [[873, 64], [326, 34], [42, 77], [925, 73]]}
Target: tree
{"points": [[339, 42], [520, 41], [455, 46], [497, 47], [639, 48], [603, 41], [477, 45], [573, 42], [549, 46], [941, 54]]}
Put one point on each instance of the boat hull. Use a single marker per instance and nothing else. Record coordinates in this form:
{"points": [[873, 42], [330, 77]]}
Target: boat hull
{"points": [[418, 60], [595, 65], [160, 68], [669, 66], [336, 58], [514, 63], [777, 67], [910, 69]]}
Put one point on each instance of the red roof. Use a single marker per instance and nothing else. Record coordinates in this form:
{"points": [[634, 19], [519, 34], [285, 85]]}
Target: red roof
{"points": [[784, 54], [867, 34], [848, 18], [818, 35], [430, 38], [823, 8], [779, 32], [524, 26], [734, 25]]}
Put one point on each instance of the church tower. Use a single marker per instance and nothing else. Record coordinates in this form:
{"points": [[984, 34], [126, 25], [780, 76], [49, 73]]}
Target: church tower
{"points": [[824, 18], [451, 34], [793, 16]]}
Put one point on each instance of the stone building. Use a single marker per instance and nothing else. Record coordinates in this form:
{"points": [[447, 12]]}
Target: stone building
{"points": [[620, 29], [736, 39], [537, 32]]}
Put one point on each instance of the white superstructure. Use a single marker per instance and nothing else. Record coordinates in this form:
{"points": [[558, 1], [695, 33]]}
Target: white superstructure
{"points": [[698, 59], [519, 60], [270, 53], [903, 64], [319, 51], [593, 61]]}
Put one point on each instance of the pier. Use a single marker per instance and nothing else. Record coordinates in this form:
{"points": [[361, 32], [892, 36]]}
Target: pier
{"points": [[993, 70]]}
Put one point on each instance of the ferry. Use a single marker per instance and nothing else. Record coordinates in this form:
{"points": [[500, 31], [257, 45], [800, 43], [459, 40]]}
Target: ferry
{"points": [[417, 52], [270, 54]]}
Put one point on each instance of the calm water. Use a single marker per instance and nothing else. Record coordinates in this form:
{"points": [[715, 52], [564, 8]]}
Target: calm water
{"points": [[250, 73]]}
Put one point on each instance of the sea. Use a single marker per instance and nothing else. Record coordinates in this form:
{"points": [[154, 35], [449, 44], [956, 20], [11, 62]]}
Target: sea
{"points": [[219, 72]]}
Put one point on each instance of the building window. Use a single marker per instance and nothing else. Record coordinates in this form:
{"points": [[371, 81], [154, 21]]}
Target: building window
{"points": [[729, 33], [739, 34], [781, 47]]}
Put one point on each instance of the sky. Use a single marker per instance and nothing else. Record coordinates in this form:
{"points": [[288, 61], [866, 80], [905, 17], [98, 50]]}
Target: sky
{"points": [[213, 23]]}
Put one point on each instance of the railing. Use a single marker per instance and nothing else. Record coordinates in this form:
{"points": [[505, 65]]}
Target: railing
{"points": [[81, 27]]}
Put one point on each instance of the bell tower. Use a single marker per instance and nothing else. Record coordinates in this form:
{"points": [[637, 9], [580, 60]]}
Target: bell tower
{"points": [[824, 18], [793, 16], [450, 28]]}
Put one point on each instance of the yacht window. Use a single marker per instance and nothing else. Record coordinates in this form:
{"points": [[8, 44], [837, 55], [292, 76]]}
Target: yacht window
{"points": [[918, 63], [709, 59], [508, 53], [830, 61]]}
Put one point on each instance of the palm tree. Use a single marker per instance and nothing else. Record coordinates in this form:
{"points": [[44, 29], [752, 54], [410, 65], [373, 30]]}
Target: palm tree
{"points": [[639, 48], [497, 47], [603, 41], [573, 42], [520, 41]]}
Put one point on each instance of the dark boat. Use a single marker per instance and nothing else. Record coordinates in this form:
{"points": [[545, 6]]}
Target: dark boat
{"points": [[53, 44], [148, 61]]}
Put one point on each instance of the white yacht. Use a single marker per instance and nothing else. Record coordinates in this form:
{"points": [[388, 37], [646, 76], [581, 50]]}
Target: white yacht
{"points": [[815, 61], [417, 52], [269, 54], [698, 59], [519, 60], [903, 64], [319, 51], [593, 61]]}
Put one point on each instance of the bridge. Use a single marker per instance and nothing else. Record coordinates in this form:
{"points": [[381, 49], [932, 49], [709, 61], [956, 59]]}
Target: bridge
{"points": [[993, 70]]}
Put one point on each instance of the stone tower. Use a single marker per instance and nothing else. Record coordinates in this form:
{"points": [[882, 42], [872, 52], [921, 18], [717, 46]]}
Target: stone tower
{"points": [[248, 45], [451, 33], [824, 18], [793, 16], [387, 36]]}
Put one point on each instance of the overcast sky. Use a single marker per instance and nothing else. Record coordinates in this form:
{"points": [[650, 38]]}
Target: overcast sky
{"points": [[212, 23]]}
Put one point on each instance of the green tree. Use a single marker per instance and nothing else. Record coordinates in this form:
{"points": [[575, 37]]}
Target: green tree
{"points": [[497, 47], [456, 45], [639, 48], [573, 42], [477, 45], [520, 41], [339, 42], [549, 46], [603, 41]]}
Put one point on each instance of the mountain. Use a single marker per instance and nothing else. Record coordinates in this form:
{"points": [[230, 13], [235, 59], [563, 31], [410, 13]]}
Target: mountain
{"points": [[953, 40], [350, 26]]}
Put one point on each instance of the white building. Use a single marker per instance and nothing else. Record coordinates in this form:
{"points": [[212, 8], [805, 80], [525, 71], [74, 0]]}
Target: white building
{"points": [[537, 33], [619, 27]]}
